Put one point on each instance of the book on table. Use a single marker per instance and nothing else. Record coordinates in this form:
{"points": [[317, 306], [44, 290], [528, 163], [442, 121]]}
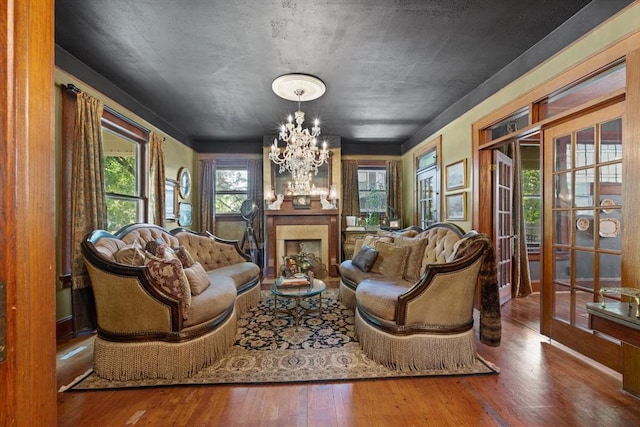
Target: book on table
{"points": [[293, 282]]}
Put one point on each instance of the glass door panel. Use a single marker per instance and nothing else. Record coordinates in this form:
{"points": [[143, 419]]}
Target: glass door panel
{"points": [[584, 203]]}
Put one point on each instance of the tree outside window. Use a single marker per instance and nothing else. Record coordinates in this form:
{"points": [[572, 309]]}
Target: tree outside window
{"points": [[372, 191], [122, 181], [531, 204], [231, 189]]}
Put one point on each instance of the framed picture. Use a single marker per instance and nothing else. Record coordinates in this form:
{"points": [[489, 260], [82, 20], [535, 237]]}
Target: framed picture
{"points": [[456, 206], [456, 175], [184, 218], [170, 199]]}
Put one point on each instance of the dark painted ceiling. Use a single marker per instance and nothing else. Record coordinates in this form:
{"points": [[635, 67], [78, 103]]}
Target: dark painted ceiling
{"points": [[391, 67]]}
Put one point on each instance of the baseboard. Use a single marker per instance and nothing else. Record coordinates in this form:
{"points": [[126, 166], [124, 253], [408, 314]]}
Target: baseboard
{"points": [[64, 329]]}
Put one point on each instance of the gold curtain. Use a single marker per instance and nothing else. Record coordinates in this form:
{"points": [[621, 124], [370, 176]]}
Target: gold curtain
{"points": [[394, 187], [88, 201], [350, 195], [522, 276], [207, 200], [156, 178], [255, 192]]}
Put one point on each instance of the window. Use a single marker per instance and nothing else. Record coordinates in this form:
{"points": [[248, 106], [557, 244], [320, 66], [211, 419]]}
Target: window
{"points": [[123, 167], [231, 188], [372, 190], [428, 187], [531, 204]]}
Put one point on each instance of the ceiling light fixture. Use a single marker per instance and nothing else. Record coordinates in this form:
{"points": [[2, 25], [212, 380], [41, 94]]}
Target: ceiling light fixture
{"points": [[301, 155]]}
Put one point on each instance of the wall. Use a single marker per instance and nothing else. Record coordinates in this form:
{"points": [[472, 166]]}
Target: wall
{"points": [[177, 155], [457, 137]]}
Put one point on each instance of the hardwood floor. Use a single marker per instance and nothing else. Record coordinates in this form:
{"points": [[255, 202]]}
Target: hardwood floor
{"points": [[541, 384]]}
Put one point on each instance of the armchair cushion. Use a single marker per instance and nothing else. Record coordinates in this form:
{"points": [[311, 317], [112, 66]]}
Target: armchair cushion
{"points": [[380, 297], [365, 258], [168, 276], [197, 278], [240, 273], [391, 259]]}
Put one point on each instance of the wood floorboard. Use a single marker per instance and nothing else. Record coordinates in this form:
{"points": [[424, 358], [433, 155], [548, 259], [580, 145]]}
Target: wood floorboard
{"points": [[541, 383]]}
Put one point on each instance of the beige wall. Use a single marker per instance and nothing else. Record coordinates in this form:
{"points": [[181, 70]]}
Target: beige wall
{"points": [[457, 137], [177, 155]]}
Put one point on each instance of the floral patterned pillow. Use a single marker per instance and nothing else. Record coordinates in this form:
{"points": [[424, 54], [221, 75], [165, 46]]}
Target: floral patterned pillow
{"points": [[184, 256], [168, 276]]}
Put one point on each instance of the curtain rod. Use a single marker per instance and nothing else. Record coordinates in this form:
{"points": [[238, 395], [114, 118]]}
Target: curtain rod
{"points": [[75, 89]]}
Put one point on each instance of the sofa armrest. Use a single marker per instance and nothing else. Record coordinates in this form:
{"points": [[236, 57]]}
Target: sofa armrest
{"points": [[444, 296], [126, 300]]}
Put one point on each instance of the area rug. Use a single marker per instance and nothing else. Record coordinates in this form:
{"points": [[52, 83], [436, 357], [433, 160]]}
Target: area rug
{"points": [[323, 347]]}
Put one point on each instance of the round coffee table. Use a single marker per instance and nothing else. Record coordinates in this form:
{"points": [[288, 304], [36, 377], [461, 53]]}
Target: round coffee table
{"points": [[297, 309]]}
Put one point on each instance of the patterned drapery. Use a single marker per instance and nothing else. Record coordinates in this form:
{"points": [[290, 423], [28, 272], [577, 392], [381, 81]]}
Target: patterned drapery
{"points": [[207, 200], [88, 201], [350, 195], [394, 187], [255, 192], [522, 276], [156, 178]]}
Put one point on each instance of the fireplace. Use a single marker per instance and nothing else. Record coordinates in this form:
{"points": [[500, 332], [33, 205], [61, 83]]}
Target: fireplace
{"points": [[286, 229]]}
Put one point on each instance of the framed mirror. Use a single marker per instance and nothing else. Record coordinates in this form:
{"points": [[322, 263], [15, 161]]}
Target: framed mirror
{"points": [[170, 199], [280, 181], [184, 182]]}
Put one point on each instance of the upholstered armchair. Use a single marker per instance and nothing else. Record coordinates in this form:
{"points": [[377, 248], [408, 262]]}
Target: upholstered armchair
{"points": [[429, 325]]}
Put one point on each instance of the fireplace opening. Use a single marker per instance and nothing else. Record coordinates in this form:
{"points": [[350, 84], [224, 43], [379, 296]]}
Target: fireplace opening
{"points": [[295, 247], [311, 250]]}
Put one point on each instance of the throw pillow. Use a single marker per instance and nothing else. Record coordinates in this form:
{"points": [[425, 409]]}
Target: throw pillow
{"points": [[391, 259], [371, 239], [152, 247], [165, 252], [184, 256], [414, 260], [365, 258], [130, 255], [357, 245], [169, 277], [197, 278]]}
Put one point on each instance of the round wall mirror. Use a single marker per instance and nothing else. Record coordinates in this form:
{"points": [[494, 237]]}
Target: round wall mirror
{"points": [[184, 182]]}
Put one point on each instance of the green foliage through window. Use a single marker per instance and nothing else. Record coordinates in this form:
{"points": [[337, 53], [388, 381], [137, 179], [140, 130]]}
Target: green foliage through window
{"points": [[531, 204], [231, 190], [121, 180]]}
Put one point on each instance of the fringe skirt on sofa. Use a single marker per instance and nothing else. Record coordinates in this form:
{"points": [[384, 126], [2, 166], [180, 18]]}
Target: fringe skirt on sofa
{"points": [[124, 361], [417, 351]]}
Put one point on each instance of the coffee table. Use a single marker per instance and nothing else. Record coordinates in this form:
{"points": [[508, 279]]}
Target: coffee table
{"points": [[297, 309]]}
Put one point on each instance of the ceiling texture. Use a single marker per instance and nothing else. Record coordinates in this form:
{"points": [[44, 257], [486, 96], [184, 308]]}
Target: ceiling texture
{"points": [[395, 71]]}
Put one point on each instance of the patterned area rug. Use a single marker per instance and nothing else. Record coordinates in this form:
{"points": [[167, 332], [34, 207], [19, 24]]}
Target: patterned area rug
{"points": [[267, 350]]}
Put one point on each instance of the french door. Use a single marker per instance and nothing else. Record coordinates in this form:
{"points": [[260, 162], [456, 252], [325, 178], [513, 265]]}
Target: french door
{"points": [[582, 226], [502, 224]]}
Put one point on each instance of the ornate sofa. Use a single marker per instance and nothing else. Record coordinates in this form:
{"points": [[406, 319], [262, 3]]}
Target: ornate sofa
{"points": [[414, 305], [165, 317]]}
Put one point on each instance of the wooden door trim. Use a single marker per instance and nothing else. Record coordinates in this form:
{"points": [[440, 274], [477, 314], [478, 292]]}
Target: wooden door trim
{"points": [[27, 226]]}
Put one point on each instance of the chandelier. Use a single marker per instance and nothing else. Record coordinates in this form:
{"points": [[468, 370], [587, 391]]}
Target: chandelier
{"points": [[301, 155]]}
